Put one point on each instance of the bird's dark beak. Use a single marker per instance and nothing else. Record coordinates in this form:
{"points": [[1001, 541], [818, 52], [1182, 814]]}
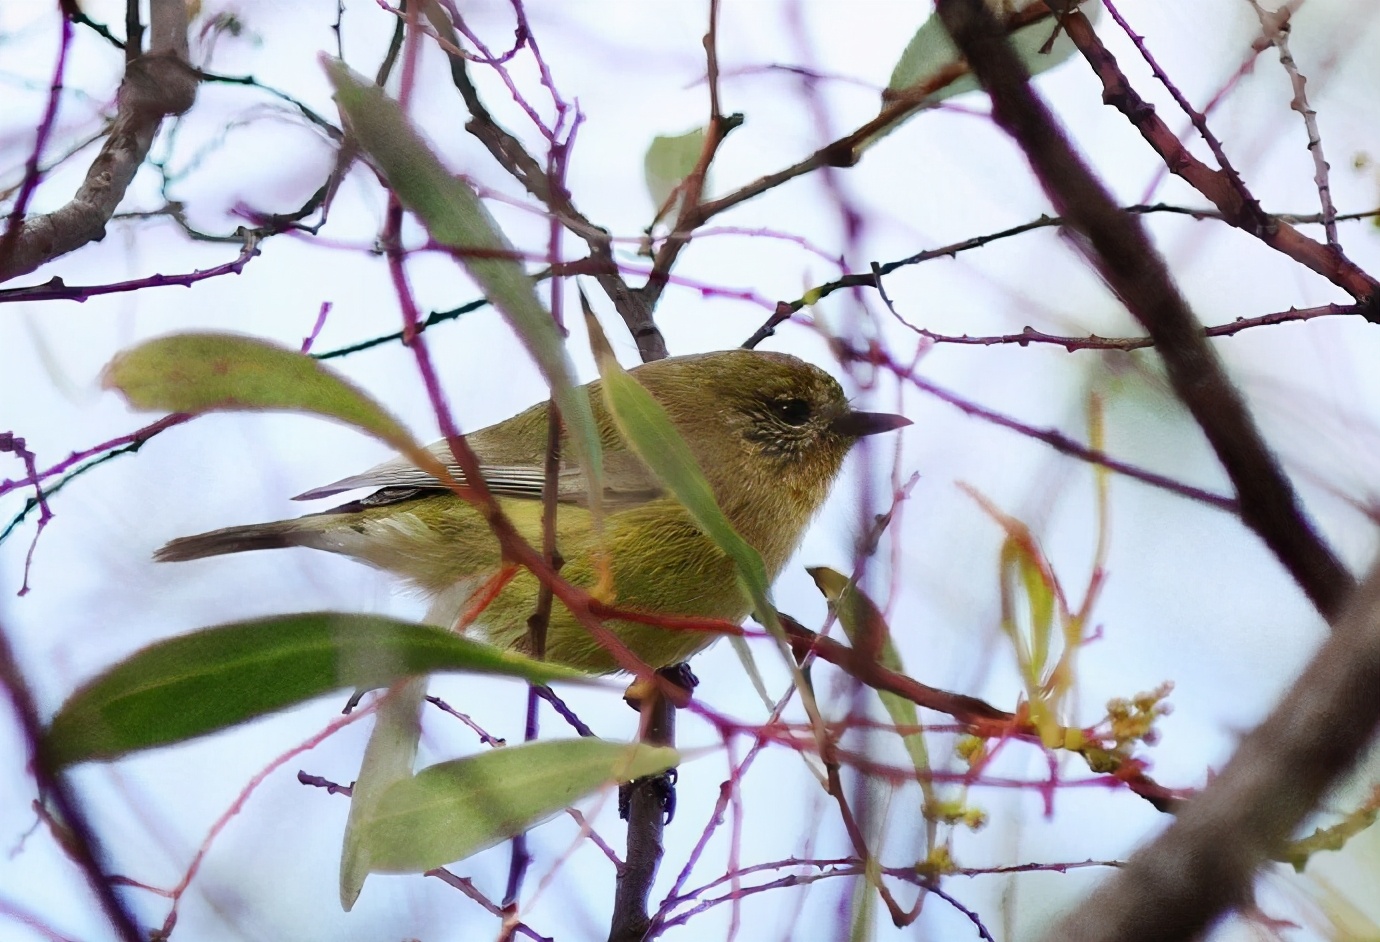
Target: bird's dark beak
{"points": [[858, 424]]}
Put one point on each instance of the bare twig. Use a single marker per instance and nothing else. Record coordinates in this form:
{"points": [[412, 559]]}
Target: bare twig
{"points": [[786, 309], [56, 289], [1248, 201], [1276, 26], [1118, 247], [510, 154], [1030, 335], [32, 172], [1056, 440], [846, 151], [691, 189]]}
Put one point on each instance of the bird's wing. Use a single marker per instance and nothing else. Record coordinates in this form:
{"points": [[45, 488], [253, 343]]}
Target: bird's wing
{"points": [[626, 480]]}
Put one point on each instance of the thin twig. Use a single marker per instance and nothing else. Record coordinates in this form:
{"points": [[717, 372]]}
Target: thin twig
{"points": [[1030, 335], [1276, 26], [45, 128], [1250, 204], [1056, 440], [510, 154]]}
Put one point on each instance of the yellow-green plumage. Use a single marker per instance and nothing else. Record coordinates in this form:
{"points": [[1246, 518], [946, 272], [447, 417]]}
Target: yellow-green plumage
{"points": [[769, 431]]}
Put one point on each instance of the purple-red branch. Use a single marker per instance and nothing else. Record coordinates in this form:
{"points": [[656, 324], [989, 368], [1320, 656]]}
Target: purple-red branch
{"points": [[13, 443], [55, 289], [45, 128], [136, 437]]}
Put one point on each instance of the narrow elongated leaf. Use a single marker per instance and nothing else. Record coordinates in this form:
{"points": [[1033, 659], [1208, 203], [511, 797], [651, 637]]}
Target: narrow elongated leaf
{"points": [[388, 759], [863, 621], [647, 428], [198, 683], [452, 810], [456, 218], [222, 372]]}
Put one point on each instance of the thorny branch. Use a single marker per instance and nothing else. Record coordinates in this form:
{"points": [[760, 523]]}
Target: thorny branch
{"points": [[785, 310], [1216, 185], [1276, 26]]}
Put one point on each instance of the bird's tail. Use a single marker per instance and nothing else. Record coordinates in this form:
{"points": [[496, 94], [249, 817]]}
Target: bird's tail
{"points": [[255, 536]]}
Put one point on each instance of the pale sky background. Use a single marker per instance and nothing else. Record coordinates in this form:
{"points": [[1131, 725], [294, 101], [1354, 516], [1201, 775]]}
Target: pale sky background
{"points": [[1192, 597]]}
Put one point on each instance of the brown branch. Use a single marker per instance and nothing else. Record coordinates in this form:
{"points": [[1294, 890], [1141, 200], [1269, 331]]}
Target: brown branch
{"points": [[970, 711], [1205, 862], [1251, 206], [1121, 251], [156, 84], [1216, 185], [691, 189], [848, 150]]}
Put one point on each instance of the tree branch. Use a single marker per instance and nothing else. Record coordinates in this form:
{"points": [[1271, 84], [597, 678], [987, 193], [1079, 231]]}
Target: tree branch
{"points": [[1217, 186], [646, 814], [155, 85], [1121, 251]]}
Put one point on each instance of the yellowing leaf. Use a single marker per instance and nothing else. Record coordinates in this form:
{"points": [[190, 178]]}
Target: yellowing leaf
{"points": [[223, 372]]}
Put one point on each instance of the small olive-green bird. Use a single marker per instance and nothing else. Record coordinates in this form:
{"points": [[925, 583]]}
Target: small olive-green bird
{"points": [[768, 430]]}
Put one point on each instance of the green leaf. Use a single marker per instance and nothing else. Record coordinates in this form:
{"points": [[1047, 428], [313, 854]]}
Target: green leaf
{"points": [[455, 217], [215, 678], [222, 372], [931, 52], [449, 811], [669, 160]]}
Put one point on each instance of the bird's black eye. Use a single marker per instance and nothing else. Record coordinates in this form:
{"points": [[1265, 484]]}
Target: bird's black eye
{"points": [[792, 411]]}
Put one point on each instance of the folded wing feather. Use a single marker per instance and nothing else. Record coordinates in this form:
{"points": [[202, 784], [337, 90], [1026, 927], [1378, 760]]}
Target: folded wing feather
{"points": [[627, 481]]}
